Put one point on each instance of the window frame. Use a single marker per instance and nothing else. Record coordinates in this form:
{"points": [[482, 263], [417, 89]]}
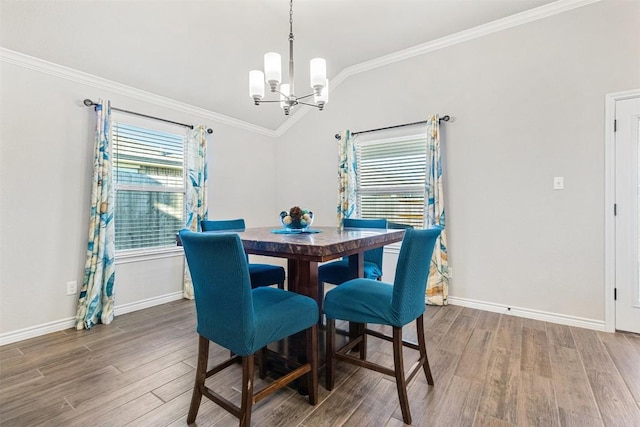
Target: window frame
{"points": [[151, 252], [392, 136]]}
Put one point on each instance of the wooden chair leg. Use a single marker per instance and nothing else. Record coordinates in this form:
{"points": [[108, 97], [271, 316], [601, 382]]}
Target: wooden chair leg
{"points": [[201, 376], [357, 330], [330, 367], [422, 345], [312, 357], [262, 372], [363, 344], [247, 391], [399, 371], [320, 291], [321, 322]]}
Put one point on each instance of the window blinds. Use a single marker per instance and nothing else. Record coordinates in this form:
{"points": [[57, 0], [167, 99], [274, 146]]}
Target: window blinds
{"points": [[150, 185], [391, 179]]}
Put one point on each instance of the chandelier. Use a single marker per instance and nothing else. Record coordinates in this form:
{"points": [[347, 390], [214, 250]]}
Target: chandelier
{"points": [[272, 76]]}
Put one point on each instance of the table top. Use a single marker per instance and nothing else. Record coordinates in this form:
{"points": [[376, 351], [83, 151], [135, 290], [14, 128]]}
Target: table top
{"points": [[329, 244]]}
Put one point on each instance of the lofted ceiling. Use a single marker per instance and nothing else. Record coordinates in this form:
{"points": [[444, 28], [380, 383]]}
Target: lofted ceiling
{"points": [[200, 51]]}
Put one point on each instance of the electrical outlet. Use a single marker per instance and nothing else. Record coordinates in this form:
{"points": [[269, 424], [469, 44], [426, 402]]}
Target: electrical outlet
{"points": [[72, 288]]}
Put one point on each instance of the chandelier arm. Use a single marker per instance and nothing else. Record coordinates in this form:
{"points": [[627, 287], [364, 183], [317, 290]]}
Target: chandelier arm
{"points": [[306, 103], [306, 96], [278, 91], [297, 98]]}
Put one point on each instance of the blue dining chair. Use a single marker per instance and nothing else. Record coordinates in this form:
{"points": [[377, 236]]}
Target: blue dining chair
{"points": [[337, 272], [261, 274], [371, 301], [244, 320]]}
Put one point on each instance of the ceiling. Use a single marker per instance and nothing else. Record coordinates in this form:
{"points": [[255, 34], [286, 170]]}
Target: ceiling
{"points": [[200, 51]]}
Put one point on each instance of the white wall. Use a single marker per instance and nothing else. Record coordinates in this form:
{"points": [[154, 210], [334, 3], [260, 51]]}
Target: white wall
{"points": [[46, 157], [528, 104]]}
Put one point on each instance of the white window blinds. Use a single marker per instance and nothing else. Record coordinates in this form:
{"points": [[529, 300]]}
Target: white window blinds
{"points": [[149, 175], [391, 178]]}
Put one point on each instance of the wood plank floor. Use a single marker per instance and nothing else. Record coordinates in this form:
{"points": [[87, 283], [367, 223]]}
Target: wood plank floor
{"points": [[489, 370]]}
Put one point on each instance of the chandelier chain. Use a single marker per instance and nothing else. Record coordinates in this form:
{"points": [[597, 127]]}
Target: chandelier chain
{"points": [[290, 19]]}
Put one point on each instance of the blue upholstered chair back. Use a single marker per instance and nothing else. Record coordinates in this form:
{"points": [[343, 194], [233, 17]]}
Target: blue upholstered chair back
{"points": [[412, 271], [222, 288], [373, 255], [222, 224]]}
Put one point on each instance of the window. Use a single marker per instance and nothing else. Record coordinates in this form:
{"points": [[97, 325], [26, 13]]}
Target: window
{"points": [[391, 177], [149, 175]]}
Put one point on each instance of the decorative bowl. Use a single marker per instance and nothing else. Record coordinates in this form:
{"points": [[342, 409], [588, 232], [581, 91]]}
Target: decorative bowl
{"points": [[296, 218]]}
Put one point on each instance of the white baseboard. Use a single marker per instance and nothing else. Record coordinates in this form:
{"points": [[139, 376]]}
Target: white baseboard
{"points": [[562, 319], [68, 323], [36, 331], [151, 302], [528, 313]]}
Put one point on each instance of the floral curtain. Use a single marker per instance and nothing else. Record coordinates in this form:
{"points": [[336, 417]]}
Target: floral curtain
{"points": [[96, 299], [196, 197], [347, 176], [438, 283]]}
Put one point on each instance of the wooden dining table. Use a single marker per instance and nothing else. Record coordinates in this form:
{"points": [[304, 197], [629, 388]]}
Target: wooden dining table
{"points": [[304, 251]]}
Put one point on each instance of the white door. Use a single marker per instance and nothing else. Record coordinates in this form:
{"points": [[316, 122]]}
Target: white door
{"points": [[627, 203]]}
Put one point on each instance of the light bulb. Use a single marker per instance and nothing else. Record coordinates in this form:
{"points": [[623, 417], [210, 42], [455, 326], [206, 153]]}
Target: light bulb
{"points": [[318, 74], [272, 70], [256, 85]]}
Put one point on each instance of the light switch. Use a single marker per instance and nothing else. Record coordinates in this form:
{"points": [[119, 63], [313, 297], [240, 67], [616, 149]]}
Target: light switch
{"points": [[558, 182]]}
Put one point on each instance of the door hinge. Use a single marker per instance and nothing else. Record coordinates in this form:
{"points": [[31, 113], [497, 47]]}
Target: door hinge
{"points": [[615, 125], [615, 294], [615, 209]]}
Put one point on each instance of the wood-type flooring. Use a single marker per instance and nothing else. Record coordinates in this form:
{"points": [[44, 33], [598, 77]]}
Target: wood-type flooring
{"points": [[490, 370]]}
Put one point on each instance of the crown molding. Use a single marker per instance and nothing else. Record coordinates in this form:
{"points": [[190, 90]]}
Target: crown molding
{"points": [[50, 68], [61, 71], [502, 24]]}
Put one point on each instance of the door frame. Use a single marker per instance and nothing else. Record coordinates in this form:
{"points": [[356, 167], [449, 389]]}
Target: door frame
{"points": [[609, 196]]}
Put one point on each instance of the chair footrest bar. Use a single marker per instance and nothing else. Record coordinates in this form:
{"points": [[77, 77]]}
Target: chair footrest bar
{"points": [[365, 364], [215, 397], [223, 365], [377, 334], [348, 346], [281, 382], [417, 366], [380, 335]]}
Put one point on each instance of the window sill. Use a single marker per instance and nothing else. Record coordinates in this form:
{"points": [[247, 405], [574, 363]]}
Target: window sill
{"points": [[138, 255]]}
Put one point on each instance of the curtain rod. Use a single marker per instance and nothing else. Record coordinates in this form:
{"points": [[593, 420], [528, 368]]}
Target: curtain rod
{"points": [[441, 119], [90, 103]]}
